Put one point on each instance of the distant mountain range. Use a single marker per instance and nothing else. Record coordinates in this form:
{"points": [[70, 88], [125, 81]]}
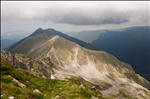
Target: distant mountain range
{"points": [[8, 40], [131, 45], [88, 36], [5, 43]]}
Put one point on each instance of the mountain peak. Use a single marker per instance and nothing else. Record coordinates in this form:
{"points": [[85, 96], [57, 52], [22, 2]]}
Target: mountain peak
{"points": [[49, 33], [53, 31], [38, 31], [50, 29]]}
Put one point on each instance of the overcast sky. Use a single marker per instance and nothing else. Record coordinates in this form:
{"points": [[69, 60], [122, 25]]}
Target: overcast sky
{"points": [[18, 17]]}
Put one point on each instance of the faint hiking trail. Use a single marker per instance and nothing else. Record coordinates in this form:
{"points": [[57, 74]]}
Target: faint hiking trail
{"points": [[113, 90]]}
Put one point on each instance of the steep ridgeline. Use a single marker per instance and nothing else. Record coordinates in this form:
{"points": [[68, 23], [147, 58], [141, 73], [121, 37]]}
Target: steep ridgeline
{"points": [[130, 45], [47, 34], [64, 59]]}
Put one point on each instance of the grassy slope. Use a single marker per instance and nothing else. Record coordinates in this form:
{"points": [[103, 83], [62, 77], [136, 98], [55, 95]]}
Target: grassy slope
{"points": [[62, 49], [49, 88]]}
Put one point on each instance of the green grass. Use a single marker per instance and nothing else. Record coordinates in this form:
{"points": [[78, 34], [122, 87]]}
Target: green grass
{"points": [[123, 93], [139, 80], [67, 89]]}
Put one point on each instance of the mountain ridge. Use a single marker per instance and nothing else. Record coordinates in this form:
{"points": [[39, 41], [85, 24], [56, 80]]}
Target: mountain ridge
{"points": [[68, 60], [51, 31], [130, 45]]}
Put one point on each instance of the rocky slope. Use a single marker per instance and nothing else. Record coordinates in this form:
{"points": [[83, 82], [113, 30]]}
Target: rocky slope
{"points": [[52, 56], [17, 83], [107, 80], [130, 45]]}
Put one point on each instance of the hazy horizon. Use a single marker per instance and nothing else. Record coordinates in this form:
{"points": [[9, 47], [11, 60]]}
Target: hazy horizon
{"points": [[23, 17]]}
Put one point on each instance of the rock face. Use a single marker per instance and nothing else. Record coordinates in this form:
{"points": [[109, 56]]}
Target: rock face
{"points": [[38, 68], [51, 56]]}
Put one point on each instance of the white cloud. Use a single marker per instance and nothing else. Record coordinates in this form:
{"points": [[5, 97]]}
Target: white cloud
{"points": [[78, 15]]}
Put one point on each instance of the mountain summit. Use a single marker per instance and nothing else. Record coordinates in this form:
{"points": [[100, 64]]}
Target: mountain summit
{"points": [[38, 31], [51, 32]]}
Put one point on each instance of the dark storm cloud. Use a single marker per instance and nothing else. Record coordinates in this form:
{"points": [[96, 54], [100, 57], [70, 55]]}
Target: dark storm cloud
{"points": [[111, 17]]}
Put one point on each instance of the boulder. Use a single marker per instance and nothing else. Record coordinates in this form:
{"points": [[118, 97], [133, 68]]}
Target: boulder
{"points": [[19, 83], [37, 91], [11, 97]]}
